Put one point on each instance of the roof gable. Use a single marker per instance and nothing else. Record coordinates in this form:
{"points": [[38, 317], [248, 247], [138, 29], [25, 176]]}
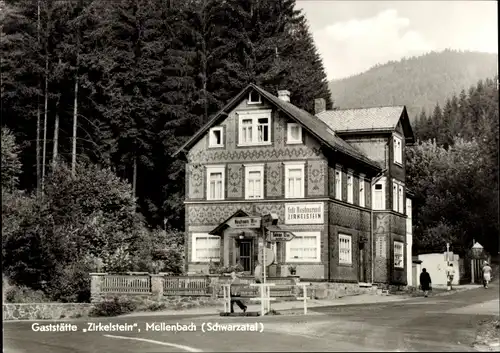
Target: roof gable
{"points": [[312, 124], [219, 230], [368, 120]]}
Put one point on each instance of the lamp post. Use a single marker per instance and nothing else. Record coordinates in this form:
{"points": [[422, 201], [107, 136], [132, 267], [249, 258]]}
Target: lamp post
{"points": [[476, 251]]}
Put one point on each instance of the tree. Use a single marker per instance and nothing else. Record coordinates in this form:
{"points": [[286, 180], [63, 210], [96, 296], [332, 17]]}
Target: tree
{"points": [[87, 216], [22, 66], [11, 165], [452, 202]]}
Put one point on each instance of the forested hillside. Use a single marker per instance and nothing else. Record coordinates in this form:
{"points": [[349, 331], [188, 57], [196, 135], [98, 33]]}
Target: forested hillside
{"points": [[96, 96], [453, 171], [124, 83], [417, 82]]}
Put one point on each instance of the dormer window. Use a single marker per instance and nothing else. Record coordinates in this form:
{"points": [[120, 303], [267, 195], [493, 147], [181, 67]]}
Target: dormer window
{"points": [[216, 137], [398, 149], [294, 133], [254, 98]]}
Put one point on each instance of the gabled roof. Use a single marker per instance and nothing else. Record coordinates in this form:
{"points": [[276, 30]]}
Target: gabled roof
{"points": [[223, 226], [377, 119], [312, 124]]}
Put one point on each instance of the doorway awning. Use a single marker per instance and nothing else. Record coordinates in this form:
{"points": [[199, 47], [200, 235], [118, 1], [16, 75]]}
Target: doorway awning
{"points": [[219, 230]]}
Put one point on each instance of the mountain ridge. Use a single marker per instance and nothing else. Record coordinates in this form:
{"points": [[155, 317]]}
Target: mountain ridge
{"points": [[418, 82]]}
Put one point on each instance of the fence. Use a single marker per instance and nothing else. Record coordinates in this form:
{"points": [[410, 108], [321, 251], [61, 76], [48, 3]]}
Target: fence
{"points": [[103, 284]]}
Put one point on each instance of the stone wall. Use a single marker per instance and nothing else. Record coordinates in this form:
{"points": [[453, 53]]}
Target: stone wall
{"points": [[328, 290], [45, 311]]}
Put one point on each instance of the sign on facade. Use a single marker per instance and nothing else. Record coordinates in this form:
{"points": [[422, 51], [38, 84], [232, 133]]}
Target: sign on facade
{"points": [[244, 222], [280, 236], [304, 213]]}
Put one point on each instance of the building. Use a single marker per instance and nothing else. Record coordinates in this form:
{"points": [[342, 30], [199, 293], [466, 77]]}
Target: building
{"points": [[336, 180]]}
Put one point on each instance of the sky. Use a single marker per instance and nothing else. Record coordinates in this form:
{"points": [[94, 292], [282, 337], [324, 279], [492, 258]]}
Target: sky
{"points": [[353, 36]]}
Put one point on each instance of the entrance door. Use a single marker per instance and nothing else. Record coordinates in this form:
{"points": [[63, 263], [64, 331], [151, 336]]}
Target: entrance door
{"points": [[246, 255]]}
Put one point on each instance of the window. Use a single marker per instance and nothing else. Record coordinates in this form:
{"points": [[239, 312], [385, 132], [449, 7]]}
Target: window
{"points": [[216, 139], [206, 248], [255, 128], [362, 190], [379, 195], [349, 188], [254, 181], [215, 182], [254, 98], [401, 199], [305, 247], [345, 249], [294, 133], [398, 150], [398, 254], [394, 196], [294, 179], [397, 197], [338, 184]]}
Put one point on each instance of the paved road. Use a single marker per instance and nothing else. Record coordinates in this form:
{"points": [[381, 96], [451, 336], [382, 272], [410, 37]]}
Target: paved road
{"points": [[422, 324]]}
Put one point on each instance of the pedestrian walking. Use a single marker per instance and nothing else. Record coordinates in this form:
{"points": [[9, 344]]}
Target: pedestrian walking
{"points": [[235, 293], [425, 282], [258, 273], [486, 274], [450, 274]]}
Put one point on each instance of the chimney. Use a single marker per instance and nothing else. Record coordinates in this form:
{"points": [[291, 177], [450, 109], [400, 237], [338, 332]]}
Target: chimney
{"points": [[319, 106], [284, 95]]}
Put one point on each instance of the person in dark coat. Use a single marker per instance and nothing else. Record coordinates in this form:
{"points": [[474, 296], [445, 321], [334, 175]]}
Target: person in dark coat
{"points": [[425, 282], [236, 293]]}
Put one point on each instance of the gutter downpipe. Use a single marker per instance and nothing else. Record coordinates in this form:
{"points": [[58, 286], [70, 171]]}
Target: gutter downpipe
{"points": [[373, 182]]}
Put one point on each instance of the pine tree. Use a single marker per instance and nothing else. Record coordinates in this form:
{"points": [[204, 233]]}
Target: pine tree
{"points": [[445, 136], [434, 123], [22, 67]]}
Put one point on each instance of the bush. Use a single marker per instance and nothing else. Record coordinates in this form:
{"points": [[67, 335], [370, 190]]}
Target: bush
{"points": [[114, 307], [156, 307], [15, 294], [72, 285], [228, 269]]}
